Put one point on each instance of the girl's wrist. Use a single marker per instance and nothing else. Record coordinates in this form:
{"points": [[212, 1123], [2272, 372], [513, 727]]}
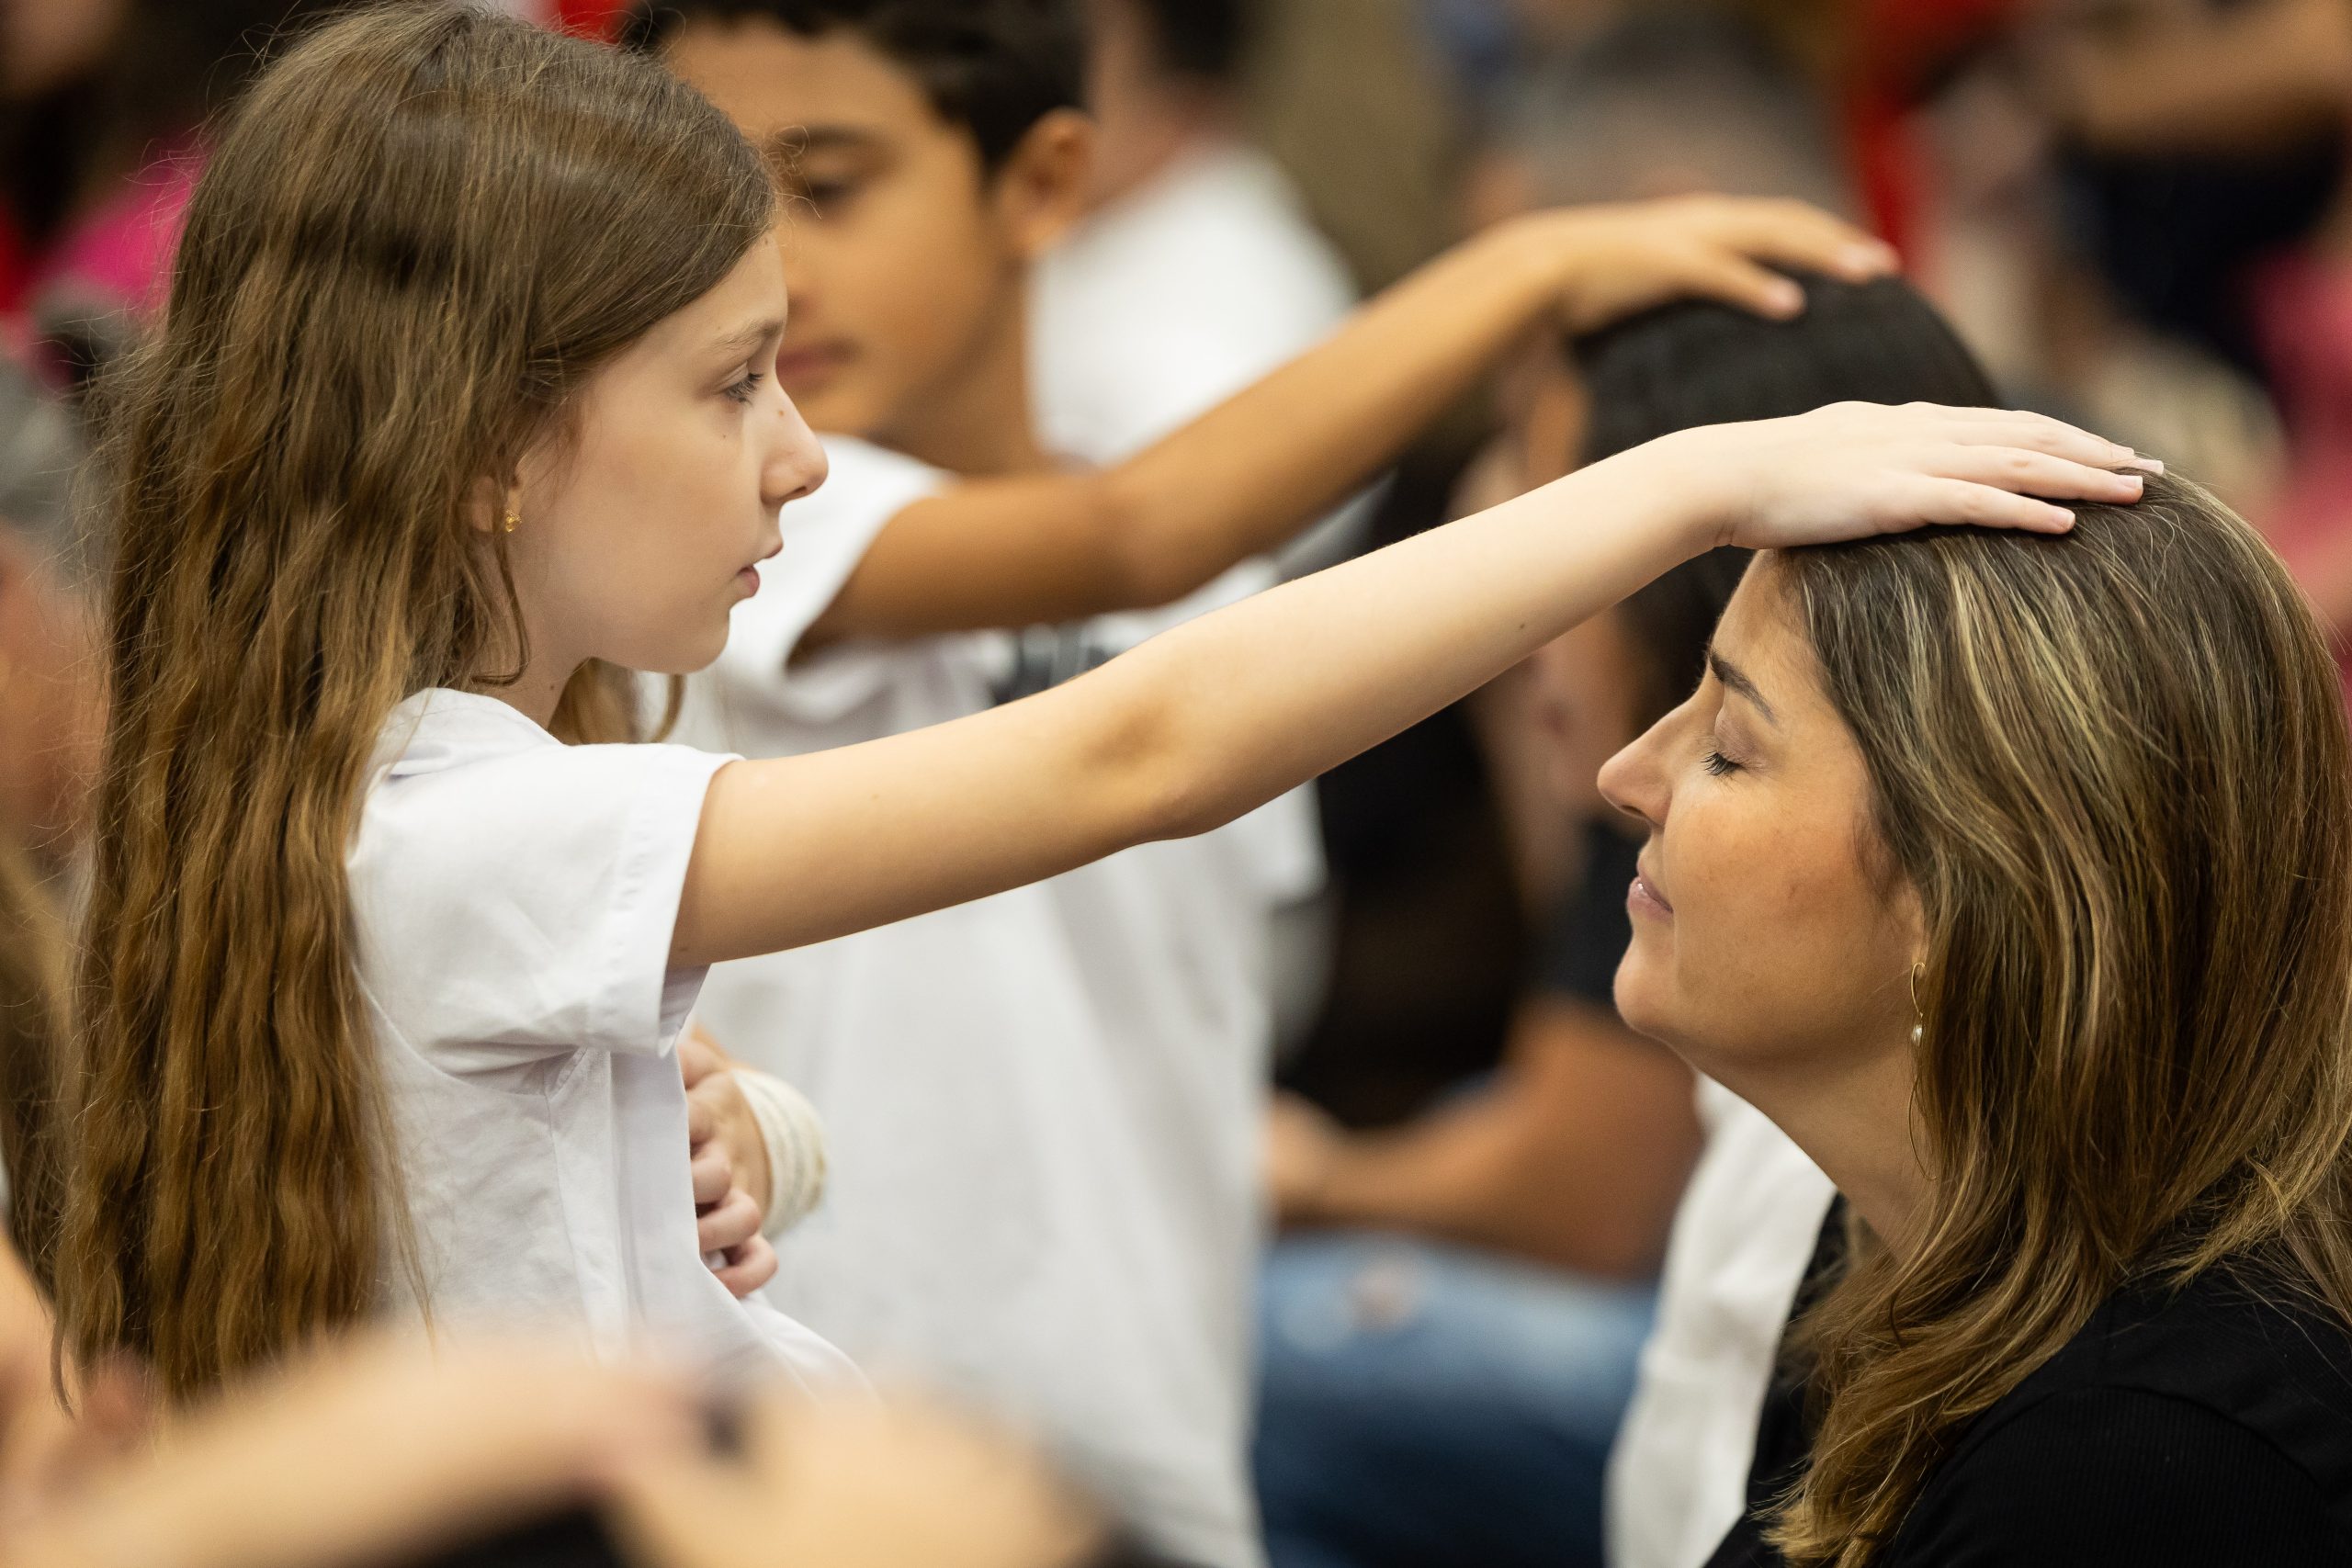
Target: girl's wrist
{"points": [[1688, 503]]}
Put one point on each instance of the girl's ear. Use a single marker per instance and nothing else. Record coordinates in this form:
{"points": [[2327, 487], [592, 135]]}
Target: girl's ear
{"points": [[489, 504], [1042, 190]]}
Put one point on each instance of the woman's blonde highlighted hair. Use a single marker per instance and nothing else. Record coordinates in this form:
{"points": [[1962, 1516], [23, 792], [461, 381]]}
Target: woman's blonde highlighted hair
{"points": [[2114, 767], [418, 235]]}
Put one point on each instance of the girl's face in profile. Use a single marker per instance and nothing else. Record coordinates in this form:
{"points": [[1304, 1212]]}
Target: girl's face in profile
{"points": [[1765, 939], [641, 526]]}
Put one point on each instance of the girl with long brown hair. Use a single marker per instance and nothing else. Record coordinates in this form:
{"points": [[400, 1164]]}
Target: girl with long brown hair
{"points": [[465, 396], [2014, 881]]}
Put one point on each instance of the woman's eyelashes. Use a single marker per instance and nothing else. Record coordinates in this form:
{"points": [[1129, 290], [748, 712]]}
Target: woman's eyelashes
{"points": [[1715, 762]]}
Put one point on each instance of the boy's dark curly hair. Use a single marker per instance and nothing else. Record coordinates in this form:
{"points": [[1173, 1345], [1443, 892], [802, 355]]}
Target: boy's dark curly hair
{"points": [[994, 67]]}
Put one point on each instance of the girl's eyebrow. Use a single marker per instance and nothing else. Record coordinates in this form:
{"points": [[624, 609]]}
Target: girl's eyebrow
{"points": [[756, 335], [1736, 680]]}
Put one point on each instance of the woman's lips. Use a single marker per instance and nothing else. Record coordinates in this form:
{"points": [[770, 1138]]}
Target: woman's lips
{"points": [[1643, 899]]}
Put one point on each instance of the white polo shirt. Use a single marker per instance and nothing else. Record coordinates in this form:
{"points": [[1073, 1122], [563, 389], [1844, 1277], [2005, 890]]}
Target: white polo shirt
{"points": [[1747, 1226], [1041, 1114], [515, 899]]}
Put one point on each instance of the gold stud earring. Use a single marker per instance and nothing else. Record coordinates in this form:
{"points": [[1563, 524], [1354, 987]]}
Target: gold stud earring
{"points": [[1919, 1012], [512, 521]]}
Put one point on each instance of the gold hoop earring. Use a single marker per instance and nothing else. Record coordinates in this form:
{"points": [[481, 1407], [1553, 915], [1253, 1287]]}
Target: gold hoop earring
{"points": [[512, 521], [1918, 1009]]}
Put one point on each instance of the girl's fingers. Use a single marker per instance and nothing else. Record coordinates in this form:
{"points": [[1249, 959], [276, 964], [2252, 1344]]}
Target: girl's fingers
{"points": [[714, 1175], [747, 1267], [732, 1222], [2039, 473], [2054, 436], [2022, 428], [1964, 502]]}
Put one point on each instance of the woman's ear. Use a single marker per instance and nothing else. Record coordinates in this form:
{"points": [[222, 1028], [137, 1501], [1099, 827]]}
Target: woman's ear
{"points": [[1042, 190]]}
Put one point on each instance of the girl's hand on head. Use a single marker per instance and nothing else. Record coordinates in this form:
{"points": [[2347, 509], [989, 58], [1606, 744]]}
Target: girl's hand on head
{"points": [[1855, 470], [1611, 262]]}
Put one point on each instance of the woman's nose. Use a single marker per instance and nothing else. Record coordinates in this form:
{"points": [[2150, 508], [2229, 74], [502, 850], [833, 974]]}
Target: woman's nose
{"points": [[1633, 782]]}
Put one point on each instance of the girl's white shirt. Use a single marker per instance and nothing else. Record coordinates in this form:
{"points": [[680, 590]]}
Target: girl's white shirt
{"points": [[515, 899]]}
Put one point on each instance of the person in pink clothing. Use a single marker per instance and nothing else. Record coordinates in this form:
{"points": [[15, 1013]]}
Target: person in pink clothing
{"points": [[102, 104], [2302, 312]]}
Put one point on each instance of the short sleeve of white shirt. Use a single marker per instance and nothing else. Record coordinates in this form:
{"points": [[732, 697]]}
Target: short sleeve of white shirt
{"points": [[825, 535], [516, 896]]}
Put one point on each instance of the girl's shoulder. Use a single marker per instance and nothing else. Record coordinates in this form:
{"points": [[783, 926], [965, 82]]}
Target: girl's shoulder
{"points": [[440, 728]]}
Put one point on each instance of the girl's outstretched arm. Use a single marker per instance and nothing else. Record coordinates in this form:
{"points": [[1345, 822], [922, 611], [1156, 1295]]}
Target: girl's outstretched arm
{"points": [[1220, 714], [1246, 476]]}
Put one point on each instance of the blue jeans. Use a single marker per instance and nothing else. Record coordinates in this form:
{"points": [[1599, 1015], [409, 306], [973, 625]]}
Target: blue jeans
{"points": [[1427, 1404]]}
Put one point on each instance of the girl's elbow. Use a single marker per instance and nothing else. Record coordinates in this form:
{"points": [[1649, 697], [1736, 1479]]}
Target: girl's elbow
{"points": [[1158, 779]]}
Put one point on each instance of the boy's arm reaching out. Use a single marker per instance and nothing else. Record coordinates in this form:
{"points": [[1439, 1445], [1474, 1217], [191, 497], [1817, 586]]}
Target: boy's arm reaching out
{"points": [[1224, 713], [1246, 476]]}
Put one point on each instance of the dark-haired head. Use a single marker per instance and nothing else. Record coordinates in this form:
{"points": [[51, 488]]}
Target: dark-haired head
{"points": [[1199, 39], [929, 153], [1695, 363], [993, 68]]}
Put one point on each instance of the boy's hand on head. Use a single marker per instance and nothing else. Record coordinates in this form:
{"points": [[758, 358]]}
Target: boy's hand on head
{"points": [[1613, 261], [1855, 470]]}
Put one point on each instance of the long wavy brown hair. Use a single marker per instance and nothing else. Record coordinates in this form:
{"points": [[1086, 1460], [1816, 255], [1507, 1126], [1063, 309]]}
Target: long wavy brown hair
{"points": [[2114, 767], [417, 236]]}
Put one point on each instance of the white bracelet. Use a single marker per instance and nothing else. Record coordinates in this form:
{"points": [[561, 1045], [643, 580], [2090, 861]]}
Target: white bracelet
{"points": [[795, 1136]]}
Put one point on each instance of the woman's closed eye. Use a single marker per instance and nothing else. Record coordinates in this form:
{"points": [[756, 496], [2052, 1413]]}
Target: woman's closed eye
{"points": [[744, 386], [1717, 764]]}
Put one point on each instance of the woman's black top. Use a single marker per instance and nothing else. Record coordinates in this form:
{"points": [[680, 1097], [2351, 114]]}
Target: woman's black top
{"points": [[2211, 1425]]}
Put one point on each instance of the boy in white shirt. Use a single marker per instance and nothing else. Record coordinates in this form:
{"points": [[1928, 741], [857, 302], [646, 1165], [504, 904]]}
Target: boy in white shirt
{"points": [[1044, 1106]]}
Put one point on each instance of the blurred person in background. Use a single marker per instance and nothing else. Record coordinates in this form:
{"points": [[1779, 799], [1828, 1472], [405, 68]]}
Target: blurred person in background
{"points": [[1443, 1368], [102, 107], [51, 723], [1196, 272], [1197, 269], [384, 1452], [2213, 139], [2095, 277], [1446, 847], [1349, 97], [50, 697]]}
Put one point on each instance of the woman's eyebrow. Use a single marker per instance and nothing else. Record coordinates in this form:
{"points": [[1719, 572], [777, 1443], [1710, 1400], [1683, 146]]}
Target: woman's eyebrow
{"points": [[1734, 678]]}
